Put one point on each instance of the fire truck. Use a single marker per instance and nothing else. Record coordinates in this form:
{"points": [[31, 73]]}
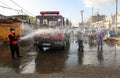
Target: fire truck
{"points": [[51, 30]]}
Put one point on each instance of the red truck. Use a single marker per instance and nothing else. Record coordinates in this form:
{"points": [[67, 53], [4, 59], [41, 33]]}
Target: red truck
{"points": [[52, 30]]}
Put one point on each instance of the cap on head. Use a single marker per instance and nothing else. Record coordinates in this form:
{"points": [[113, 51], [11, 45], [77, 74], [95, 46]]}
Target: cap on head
{"points": [[12, 29]]}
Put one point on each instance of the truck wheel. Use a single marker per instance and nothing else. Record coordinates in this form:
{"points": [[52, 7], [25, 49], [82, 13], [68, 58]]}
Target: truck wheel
{"points": [[64, 46], [68, 43], [41, 49]]}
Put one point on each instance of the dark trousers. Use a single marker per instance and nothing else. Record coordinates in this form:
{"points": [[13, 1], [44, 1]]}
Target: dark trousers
{"points": [[14, 49], [100, 44], [80, 43]]}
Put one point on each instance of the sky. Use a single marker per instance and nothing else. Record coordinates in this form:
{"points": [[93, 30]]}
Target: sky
{"points": [[70, 9]]}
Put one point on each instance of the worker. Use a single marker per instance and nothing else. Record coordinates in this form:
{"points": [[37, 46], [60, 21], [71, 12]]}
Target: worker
{"points": [[80, 41], [100, 40], [13, 42], [45, 24], [92, 39]]}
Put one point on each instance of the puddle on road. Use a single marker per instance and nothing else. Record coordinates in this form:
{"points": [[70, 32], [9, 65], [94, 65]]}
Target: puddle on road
{"points": [[29, 67]]}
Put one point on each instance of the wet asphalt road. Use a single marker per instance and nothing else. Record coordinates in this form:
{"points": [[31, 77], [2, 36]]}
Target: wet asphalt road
{"points": [[89, 64]]}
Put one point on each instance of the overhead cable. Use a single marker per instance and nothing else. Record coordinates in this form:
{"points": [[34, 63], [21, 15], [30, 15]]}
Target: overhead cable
{"points": [[4, 4], [21, 7], [9, 8]]}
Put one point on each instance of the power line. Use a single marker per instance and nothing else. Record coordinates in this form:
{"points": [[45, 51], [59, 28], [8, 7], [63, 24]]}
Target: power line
{"points": [[4, 4], [9, 8], [21, 7]]}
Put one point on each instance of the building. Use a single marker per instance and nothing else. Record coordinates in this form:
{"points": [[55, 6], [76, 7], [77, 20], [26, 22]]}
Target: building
{"points": [[97, 21], [96, 18], [110, 22], [2, 16], [118, 20]]}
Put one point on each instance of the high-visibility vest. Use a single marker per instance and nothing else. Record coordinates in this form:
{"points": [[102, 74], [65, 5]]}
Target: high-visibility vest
{"points": [[13, 42]]}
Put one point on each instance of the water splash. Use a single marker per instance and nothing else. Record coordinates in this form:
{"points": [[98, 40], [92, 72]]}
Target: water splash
{"points": [[30, 32], [42, 32], [27, 28]]}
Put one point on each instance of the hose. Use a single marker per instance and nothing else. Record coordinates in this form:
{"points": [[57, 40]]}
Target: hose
{"points": [[25, 48]]}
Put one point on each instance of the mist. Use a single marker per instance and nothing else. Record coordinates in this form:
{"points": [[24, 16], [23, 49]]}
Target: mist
{"points": [[99, 3], [30, 32]]}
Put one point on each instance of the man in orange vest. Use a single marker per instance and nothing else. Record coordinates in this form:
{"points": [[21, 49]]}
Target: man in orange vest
{"points": [[13, 44]]}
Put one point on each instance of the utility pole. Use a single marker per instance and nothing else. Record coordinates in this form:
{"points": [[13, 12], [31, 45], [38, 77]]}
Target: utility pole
{"points": [[92, 11], [82, 16], [22, 12], [116, 13]]}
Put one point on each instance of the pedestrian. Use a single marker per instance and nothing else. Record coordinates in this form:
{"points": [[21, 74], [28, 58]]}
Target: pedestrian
{"points": [[100, 40], [13, 43], [92, 39], [80, 41]]}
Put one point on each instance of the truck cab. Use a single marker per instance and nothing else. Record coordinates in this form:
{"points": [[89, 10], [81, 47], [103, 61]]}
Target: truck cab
{"points": [[52, 30]]}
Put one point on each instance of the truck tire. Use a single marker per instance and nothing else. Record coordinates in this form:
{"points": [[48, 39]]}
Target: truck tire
{"points": [[40, 49], [68, 43], [64, 46]]}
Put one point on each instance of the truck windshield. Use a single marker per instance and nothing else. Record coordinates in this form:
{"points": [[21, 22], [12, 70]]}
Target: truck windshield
{"points": [[48, 21]]}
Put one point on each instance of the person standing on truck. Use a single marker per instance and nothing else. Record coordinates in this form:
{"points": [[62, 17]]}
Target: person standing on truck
{"points": [[13, 42], [80, 41], [45, 24]]}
